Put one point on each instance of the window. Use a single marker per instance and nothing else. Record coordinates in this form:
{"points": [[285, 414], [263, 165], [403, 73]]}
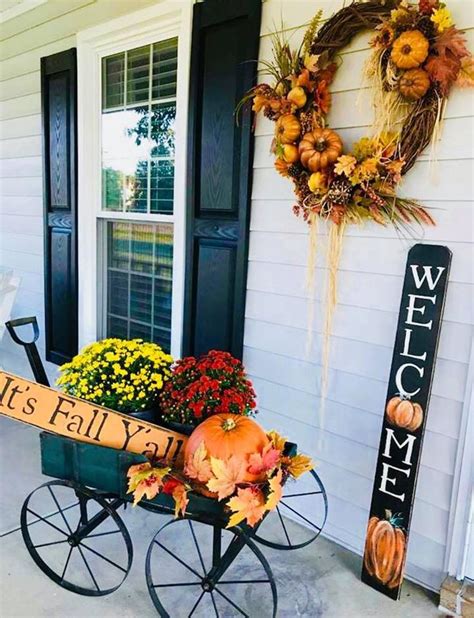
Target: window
{"points": [[137, 202]]}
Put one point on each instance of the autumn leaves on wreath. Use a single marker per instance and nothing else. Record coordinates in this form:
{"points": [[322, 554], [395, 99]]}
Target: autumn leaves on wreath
{"points": [[228, 456], [418, 57]]}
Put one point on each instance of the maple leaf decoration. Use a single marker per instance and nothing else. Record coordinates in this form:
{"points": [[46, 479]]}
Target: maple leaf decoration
{"points": [[466, 73], [299, 464], [199, 467], [227, 474], [445, 65], [443, 70], [276, 491], [264, 461], [345, 165], [181, 500], [451, 42], [249, 504], [277, 441], [145, 481]]}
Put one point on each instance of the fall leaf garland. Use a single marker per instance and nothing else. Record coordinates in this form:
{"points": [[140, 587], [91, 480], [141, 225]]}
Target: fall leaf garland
{"points": [[245, 501]]}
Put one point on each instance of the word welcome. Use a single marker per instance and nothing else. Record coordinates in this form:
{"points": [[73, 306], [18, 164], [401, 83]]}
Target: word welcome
{"points": [[409, 386], [69, 416]]}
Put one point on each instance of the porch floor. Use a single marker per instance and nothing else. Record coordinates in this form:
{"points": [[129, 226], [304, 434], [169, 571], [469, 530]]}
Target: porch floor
{"points": [[319, 580]]}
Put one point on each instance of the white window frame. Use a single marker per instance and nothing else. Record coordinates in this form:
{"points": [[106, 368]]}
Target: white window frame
{"points": [[160, 22]]}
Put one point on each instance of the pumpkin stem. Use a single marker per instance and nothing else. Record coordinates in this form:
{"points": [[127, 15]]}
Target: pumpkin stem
{"points": [[388, 514], [228, 424], [320, 145]]}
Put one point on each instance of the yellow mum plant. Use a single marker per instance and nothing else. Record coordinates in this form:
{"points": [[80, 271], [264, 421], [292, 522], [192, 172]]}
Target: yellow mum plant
{"points": [[124, 375]]}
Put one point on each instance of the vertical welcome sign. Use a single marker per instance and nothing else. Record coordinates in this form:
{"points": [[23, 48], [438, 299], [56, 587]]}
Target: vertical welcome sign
{"points": [[406, 408]]}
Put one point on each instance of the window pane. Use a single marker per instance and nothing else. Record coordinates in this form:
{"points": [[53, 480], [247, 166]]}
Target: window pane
{"points": [[138, 140], [139, 281], [141, 298], [125, 152], [112, 185], [113, 69], [161, 186], [165, 63], [138, 75], [143, 246], [118, 293], [117, 328], [119, 246], [136, 188], [162, 133]]}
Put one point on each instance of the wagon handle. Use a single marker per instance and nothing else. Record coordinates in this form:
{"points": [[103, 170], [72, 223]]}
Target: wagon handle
{"points": [[30, 347]]}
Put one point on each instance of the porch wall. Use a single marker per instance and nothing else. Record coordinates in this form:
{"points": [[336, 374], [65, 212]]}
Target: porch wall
{"points": [[370, 282], [48, 29]]}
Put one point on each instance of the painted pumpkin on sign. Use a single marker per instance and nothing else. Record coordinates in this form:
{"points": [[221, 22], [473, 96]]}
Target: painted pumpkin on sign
{"points": [[385, 547], [404, 413]]}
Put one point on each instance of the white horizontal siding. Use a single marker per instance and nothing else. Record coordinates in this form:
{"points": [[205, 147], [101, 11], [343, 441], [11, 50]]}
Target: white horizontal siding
{"points": [[287, 376]]}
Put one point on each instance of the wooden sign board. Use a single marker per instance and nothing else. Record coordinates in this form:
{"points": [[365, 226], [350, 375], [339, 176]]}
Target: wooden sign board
{"points": [[406, 408], [75, 418]]}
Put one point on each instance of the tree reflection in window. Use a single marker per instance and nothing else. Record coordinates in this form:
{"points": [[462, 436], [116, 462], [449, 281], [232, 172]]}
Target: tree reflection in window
{"points": [[162, 134]]}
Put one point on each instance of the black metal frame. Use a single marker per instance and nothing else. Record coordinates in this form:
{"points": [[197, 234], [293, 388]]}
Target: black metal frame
{"points": [[75, 538], [30, 347], [221, 562]]}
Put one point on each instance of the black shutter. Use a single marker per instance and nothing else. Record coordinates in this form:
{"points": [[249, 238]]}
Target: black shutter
{"points": [[58, 102], [223, 67]]}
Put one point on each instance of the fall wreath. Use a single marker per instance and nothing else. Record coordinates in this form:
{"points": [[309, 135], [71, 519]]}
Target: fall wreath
{"points": [[418, 56]]}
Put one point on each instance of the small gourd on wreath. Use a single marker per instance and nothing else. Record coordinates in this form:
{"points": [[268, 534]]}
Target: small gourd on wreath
{"points": [[418, 57]]}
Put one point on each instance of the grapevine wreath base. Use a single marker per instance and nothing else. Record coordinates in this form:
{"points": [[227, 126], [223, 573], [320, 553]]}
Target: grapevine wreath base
{"points": [[418, 56]]}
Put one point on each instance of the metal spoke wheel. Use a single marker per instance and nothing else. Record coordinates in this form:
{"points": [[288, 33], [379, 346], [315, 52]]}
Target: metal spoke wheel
{"points": [[299, 517], [76, 537], [195, 569]]}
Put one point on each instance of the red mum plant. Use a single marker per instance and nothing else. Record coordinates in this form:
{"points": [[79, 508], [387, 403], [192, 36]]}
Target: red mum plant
{"points": [[211, 384]]}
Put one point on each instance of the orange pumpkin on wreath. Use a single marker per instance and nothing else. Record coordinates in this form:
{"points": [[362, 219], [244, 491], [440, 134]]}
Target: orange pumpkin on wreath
{"points": [[385, 547], [414, 84], [288, 129], [319, 148], [404, 413]]}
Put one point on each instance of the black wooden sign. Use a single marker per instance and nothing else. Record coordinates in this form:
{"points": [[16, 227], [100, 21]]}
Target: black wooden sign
{"points": [[409, 389]]}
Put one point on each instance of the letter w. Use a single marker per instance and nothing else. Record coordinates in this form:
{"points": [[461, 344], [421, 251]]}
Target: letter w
{"points": [[427, 275]]}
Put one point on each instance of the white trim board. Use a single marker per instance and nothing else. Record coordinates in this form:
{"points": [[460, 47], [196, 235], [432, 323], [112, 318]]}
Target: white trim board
{"points": [[159, 22], [23, 6], [456, 560]]}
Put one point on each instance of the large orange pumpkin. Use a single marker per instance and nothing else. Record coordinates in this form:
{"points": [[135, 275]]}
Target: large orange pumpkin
{"points": [[225, 435], [385, 547], [319, 148], [404, 413]]}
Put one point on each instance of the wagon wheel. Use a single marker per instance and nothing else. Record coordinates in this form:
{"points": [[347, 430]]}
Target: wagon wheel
{"points": [[305, 502], [76, 538], [194, 569]]}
